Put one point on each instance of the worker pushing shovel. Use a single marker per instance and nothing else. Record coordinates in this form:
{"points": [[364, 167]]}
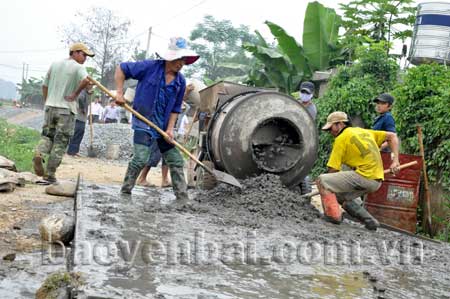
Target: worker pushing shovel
{"points": [[157, 103], [359, 149], [159, 95]]}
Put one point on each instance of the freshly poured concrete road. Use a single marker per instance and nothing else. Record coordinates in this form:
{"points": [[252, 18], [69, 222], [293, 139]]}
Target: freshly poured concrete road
{"points": [[259, 243]]}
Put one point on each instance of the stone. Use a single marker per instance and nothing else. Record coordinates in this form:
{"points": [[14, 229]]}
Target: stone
{"points": [[67, 189], [6, 186], [57, 228], [7, 164], [9, 257]]}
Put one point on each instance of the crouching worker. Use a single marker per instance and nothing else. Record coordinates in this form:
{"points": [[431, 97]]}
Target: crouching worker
{"points": [[159, 95], [358, 149]]}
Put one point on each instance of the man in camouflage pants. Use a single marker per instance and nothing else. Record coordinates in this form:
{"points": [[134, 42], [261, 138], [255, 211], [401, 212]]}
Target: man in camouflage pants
{"points": [[159, 95], [63, 83]]}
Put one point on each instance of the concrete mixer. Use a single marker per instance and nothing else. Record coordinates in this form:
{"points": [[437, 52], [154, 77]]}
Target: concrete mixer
{"points": [[246, 131]]}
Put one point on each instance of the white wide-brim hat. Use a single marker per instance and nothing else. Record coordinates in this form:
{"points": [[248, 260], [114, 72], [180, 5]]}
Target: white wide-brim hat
{"points": [[178, 49]]}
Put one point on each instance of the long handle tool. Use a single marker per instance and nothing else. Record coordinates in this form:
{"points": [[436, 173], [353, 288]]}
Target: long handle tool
{"points": [[425, 182], [219, 175]]}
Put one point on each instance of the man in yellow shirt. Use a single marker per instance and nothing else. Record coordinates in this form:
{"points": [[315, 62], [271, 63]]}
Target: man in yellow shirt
{"points": [[359, 149]]}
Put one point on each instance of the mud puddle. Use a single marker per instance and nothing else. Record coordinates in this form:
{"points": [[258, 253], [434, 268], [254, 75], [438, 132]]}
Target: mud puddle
{"points": [[260, 242]]}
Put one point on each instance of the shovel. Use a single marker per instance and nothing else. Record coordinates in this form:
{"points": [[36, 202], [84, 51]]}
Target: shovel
{"points": [[425, 181], [386, 171], [219, 175], [91, 152]]}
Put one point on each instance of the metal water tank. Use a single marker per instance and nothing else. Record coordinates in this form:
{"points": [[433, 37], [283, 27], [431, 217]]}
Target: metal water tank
{"points": [[431, 37]]}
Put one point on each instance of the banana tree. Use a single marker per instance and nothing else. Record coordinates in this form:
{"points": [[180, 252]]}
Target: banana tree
{"points": [[287, 64]]}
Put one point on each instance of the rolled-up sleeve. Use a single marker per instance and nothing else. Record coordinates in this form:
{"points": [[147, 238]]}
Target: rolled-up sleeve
{"points": [[135, 70]]}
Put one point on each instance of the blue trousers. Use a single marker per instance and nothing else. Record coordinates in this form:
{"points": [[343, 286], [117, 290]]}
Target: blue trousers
{"points": [[75, 141]]}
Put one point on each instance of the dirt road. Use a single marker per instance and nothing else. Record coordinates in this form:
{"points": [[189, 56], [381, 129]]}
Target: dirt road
{"points": [[21, 212]]}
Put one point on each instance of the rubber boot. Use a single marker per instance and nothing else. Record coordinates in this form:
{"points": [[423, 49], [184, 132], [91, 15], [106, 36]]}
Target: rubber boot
{"points": [[357, 211], [331, 208], [175, 162], [130, 179], [179, 184]]}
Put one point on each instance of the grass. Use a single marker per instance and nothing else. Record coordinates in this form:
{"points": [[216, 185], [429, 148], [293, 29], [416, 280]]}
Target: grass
{"points": [[17, 144]]}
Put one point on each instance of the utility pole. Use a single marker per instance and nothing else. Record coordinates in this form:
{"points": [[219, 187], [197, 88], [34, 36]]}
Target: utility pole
{"points": [[23, 82], [147, 53], [26, 72], [23, 71]]}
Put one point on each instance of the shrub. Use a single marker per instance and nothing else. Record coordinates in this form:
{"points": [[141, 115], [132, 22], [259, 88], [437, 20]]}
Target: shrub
{"points": [[17, 144], [424, 98]]}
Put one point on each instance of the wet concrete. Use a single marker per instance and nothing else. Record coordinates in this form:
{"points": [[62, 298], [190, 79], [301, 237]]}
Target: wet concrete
{"points": [[259, 242], [22, 277]]}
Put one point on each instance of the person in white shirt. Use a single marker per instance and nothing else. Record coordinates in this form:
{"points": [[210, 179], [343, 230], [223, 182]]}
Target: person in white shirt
{"points": [[97, 110], [111, 113], [184, 123]]}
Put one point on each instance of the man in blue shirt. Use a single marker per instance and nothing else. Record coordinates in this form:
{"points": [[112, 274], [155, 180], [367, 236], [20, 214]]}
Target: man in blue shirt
{"points": [[159, 95], [385, 121]]}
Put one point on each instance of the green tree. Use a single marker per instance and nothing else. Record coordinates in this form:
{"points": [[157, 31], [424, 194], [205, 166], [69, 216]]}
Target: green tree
{"points": [[30, 88], [369, 21], [106, 34], [219, 42], [138, 54]]}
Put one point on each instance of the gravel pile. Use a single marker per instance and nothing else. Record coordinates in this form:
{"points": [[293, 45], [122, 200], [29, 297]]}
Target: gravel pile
{"points": [[261, 197], [110, 141]]}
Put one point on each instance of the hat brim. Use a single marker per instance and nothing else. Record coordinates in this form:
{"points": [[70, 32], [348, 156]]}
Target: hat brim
{"points": [[380, 100], [327, 126], [88, 53], [189, 56], [307, 90]]}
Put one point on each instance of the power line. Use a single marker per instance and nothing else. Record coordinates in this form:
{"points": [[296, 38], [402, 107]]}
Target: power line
{"points": [[20, 67], [169, 19], [181, 13], [10, 77], [25, 51], [139, 34], [160, 36]]}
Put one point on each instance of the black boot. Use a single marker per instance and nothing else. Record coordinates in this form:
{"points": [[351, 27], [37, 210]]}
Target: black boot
{"points": [[357, 211], [129, 180]]}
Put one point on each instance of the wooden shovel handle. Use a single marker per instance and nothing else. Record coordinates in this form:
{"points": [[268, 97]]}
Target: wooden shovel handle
{"points": [[406, 165]]}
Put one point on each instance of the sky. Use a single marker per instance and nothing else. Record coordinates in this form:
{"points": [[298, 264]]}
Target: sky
{"points": [[31, 30]]}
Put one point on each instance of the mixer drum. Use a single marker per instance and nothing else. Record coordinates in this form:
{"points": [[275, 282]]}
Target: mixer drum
{"points": [[263, 132]]}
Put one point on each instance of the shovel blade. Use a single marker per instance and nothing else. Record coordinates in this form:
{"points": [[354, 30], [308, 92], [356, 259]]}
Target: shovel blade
{"points": [[226, 178], [91, 152]]}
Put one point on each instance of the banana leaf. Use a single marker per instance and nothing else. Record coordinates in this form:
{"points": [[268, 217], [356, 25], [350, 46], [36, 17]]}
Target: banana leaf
{"points": [[320, 35], [277, 70], [288, 45]]}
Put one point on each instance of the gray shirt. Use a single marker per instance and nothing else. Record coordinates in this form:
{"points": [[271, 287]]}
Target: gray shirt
{"points": [[312, 109]]}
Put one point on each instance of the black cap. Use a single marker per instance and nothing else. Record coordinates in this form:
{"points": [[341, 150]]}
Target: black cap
{"points": [[384, 97], [308, 87]]}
